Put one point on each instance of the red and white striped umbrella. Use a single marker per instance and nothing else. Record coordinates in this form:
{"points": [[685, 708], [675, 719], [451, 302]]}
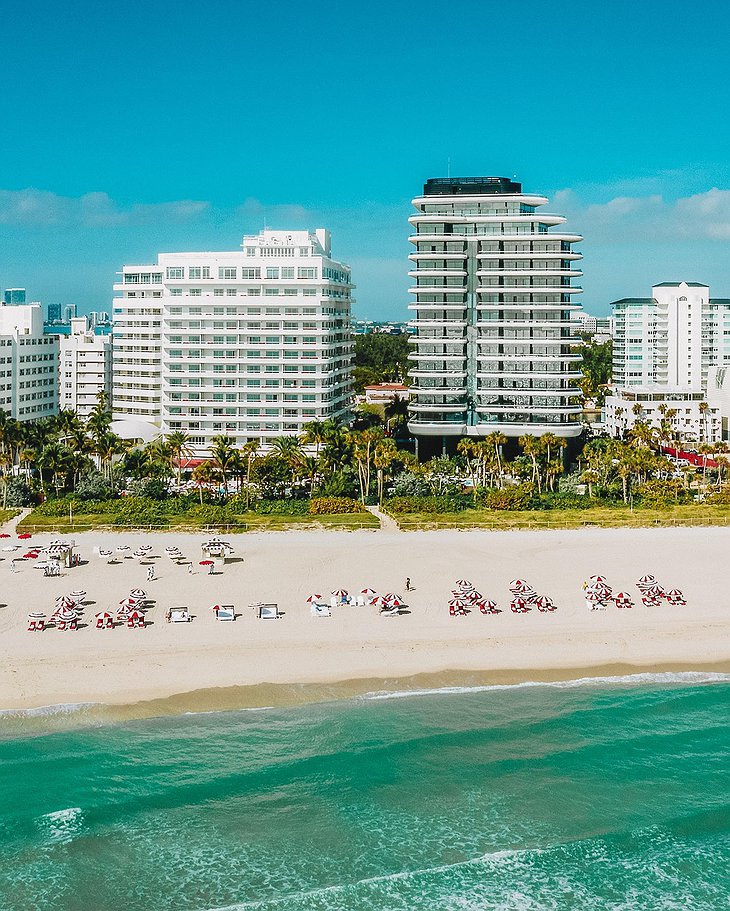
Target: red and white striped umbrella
{"points": [[395, 601], [463, 583], [656, 591], [138, 593], [623, 599], [458, 603], [544, 603], [368, 591], [646, 580], [599, 579], [103, 615], [340, 593], [63, 601], [135, 615], [312, 599], [391, 597], [519, 605], [66, 615]]}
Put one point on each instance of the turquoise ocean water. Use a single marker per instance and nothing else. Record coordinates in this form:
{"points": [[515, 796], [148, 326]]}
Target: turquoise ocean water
{"points": [[597, 795]]}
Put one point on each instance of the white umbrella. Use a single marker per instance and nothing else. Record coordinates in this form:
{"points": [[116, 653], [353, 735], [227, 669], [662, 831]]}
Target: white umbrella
{"points": [[313, 599], [138, 593]]}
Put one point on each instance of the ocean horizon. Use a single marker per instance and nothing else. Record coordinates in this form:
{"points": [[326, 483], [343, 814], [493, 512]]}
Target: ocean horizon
{"points": [[605, 793]]}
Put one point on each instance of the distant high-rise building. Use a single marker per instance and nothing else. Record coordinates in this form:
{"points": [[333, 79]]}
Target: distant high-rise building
{"points": [[671, 338], [14, 296], [69, 312], [28, 364], [53, 312], [85, 368], [493, 341], [252, 343]]}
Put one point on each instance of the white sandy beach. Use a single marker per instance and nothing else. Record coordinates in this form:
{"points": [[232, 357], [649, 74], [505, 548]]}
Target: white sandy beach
{"points": [[123, 666]]}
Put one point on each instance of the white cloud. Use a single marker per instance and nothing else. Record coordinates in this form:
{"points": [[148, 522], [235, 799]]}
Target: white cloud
{"points": [[702, 216], [32, 208]]}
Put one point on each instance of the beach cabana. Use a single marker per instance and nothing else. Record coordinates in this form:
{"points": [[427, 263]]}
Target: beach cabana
{"points": [[104, 620], [66, 618], [135, 618], [224, 612], [320, 610], [487, 606], [519, 606], [675, 596], [178, 615], [268, 612], [623, 599], [216, 550]]}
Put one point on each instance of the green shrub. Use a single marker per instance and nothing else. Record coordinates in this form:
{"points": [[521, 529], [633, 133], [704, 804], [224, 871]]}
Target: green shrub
{"points": [[18, 492], [280, 507], [430, 505], [509, 498], [658, 494], [719, 497], [92, 485], [321, 506]]}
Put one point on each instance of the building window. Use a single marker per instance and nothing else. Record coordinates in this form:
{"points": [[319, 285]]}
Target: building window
{"points": [[194, 272], [174, 272], [306, 272], [227, 272], [272, 272]]}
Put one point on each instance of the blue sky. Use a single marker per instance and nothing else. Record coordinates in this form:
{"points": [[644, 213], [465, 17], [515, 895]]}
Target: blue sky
{"points": [[138, 127]]}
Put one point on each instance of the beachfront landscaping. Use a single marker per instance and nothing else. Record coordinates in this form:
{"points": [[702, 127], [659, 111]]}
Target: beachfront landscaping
{"points": [[79, 475]]}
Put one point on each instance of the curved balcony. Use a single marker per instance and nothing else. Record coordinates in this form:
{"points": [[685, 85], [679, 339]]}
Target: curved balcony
{"points": [[529, 289], [529, 254], [517, 218], [533, 305], [528, 199], [506, 356], [498, 236], [435, 323], [507, 393], [437, 406], [440, 273], [536, 374], [435, 254], [436, 305], [527, 273]]}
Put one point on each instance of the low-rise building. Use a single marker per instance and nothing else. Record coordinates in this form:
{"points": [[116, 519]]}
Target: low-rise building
{"points": [[385, 393], [690, 414]]}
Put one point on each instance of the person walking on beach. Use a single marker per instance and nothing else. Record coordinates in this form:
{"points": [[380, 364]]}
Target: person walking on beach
{"points": [[408, 584], [190, 569], [150, 573]]}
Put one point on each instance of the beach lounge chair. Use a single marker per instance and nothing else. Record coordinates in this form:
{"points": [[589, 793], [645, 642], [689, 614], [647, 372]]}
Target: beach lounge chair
{"points": [[268, 612], [334, 601], [225, 612], [360, 601], [389, 611], [179, 615], [321, 610]]}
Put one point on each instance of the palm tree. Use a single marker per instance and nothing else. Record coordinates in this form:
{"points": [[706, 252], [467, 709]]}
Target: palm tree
{"points": [[106, 445], [179, 444], [364, 446], [314, 433], [531, 447], [497, 440], [385, 456], [203, 475], [221, 450], [54, 459], [249, 452]]}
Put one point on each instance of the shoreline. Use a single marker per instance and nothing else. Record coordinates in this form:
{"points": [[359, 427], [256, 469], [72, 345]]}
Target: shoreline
{"points": [[263, 696]]}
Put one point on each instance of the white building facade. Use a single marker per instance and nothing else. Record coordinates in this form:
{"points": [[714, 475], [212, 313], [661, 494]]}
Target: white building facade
{"points": [[251, 344], [690, 414], [671, 338], [28, 364], [492, 299], [85, 368]]}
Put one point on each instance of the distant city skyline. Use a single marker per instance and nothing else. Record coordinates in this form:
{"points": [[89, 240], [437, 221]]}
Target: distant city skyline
{"points": [[164, 156]]}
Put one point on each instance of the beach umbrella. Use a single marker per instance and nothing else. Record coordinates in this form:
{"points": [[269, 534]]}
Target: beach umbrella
{"points": [[105, 554], [36, 615], [206, 563], [313, 599], [458, 603], [24, 537], [145, 547], [138, 593], [487, 606], [123, 549], [623, 599], [140, 553], [64, 601], [519, 605], [31, 555], [395, 601], [675, 596], [646, 580], [600, 579], [4, 535], [390, 597], [103, 615], [77, 595], [544, 603], [463, 583], [340, 593], [368, 591]]}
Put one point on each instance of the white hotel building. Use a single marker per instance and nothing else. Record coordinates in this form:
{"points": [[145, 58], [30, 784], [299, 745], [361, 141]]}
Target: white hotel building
{"points": [[493, 301], [252, 344]]}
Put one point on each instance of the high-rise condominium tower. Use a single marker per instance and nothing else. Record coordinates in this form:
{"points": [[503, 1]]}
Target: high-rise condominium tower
{"points": [[671, 338], [251, 344], [492, 347]]}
